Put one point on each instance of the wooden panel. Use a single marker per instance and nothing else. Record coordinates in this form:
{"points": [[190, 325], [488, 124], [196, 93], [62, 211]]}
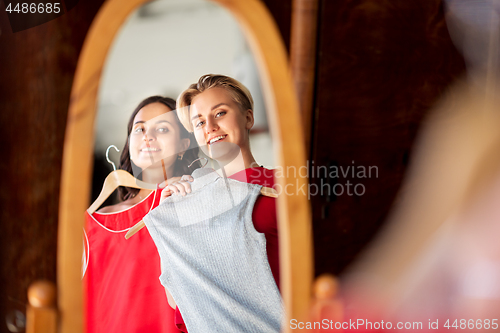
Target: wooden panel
{"points": [[303, 59], [37, 67], [382, 65]]}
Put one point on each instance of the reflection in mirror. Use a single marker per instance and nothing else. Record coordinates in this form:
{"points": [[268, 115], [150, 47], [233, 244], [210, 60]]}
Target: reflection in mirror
{"points": [[160, 148], [163, 47]]}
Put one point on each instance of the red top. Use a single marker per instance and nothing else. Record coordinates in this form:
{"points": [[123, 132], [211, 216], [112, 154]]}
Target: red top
{"points": [[123, 293], [264, 221]]}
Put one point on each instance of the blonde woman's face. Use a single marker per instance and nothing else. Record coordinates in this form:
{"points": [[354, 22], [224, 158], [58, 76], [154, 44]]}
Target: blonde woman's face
{"points": [[218, 122], [155, 137]]}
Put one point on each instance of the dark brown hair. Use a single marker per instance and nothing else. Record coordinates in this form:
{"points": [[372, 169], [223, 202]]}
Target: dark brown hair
{"points": [[181, 166]]}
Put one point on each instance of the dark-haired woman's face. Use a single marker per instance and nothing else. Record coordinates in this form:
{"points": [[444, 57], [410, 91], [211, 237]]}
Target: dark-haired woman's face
{"points": [[156, 136]]}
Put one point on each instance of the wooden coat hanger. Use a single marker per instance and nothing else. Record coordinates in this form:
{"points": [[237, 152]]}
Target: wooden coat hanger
{"points": [[265, 191], [115, 179]]}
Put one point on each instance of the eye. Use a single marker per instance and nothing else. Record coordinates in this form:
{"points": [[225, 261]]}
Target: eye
{"points": [[138, 130], [163, 130], [199, 123], [220, 114]]}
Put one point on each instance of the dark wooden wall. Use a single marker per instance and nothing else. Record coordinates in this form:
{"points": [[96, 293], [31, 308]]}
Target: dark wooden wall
{"points": [[281, 10], [37, 67], [381, 66]]}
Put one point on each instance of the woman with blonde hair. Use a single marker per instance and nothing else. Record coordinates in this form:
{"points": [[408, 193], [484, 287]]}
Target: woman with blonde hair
{"points": [[219, 111]]}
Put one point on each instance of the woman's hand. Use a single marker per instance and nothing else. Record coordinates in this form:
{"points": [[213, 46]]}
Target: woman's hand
{"points": [[181, 186]]}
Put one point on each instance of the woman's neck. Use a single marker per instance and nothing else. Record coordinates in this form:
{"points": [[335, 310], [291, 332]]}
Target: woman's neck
{"points": [[143, 193], [156, 175], [243, 161]]}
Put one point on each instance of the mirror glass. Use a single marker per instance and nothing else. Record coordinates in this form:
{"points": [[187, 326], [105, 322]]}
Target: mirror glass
{"points": [[162, 48]]}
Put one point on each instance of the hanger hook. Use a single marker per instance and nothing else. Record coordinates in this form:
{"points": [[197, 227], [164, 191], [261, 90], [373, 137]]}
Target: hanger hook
{"points": [[107, 156], [206, 162]]}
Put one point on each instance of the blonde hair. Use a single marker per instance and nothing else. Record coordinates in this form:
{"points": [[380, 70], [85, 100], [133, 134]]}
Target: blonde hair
{"points": [[239, 93]]}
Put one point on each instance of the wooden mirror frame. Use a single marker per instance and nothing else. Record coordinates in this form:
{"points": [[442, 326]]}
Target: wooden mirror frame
{"points": [[294, 216]]}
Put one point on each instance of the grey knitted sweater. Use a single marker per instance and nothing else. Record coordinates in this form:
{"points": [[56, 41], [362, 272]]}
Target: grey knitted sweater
{"points": [[214, 262]]}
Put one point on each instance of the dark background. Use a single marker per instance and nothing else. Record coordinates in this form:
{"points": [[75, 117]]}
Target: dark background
{"points": [[381, 65]]}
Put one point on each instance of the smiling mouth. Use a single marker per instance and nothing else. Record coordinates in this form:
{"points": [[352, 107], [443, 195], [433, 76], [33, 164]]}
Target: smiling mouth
{"points": [[216, 139], [149, 150]]}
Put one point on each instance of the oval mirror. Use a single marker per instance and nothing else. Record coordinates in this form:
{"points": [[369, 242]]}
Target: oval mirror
{"points": [[135, 49]]}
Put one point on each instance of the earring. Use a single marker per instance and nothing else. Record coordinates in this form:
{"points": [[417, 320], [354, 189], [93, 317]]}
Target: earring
{"points": [[179, 157]]}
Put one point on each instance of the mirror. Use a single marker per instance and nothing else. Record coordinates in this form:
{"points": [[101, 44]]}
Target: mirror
{"points": [[288, 148], [162, 48]]}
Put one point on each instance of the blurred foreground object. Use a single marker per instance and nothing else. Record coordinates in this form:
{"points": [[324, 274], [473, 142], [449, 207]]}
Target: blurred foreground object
{"points": [[456, 160], [474, 26], [326, 303], [438, 257]]}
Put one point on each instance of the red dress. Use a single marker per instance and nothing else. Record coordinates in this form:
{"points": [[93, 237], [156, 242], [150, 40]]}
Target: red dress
{"points": [[264, 221], [123, 293]]}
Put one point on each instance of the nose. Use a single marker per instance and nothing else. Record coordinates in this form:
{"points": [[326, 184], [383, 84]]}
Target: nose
{"points": [[211, 125], [149, 135]]}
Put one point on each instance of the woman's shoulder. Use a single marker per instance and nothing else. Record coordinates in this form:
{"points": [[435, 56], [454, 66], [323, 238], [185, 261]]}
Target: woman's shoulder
{"points": [[261, 173], [116, 207], [256, 175]]}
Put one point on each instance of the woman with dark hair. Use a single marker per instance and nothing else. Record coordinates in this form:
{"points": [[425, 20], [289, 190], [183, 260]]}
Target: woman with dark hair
{"points": [[123, 293]]}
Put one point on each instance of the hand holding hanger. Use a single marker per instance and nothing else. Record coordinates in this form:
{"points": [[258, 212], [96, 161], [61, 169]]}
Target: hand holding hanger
{"points": [[265, 191], [114, 180]]}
